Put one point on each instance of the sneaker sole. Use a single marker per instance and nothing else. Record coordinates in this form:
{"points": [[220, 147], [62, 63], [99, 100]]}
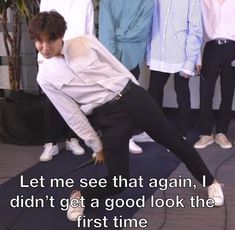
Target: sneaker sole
{"points": [[78, 154], [135, 152], [223, 146], [49, 158], [203, 146]]}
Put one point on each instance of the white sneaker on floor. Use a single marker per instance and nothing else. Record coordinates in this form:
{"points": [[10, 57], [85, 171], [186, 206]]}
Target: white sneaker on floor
{"points": [[134, 148], [73, 145], [216, 193], [142, 137], [204, 141], [74, 212], [223, 141], [49, 152]]}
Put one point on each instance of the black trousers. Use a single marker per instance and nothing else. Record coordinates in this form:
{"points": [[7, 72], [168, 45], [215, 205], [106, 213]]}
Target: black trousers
{"points": [[115, 121], [217, 62], [136, 72], [55, 128], [156, 89]]}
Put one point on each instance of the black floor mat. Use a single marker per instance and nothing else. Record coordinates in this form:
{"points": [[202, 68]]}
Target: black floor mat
{"points": [[156, 162]]}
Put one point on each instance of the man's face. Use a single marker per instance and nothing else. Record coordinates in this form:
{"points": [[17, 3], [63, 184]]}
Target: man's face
{"points": [[49, 48]]}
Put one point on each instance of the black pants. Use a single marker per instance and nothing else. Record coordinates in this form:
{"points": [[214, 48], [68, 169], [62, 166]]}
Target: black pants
{"points": [[217, 62], [136, 72], [55, 127], [115, 121], [156, 89]]}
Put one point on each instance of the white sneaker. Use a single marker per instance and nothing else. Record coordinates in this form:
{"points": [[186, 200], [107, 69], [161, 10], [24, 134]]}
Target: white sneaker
{"points": [[73, 145], [142, 137], [223, 141], [49, 152], [204, 141], [74, 212], [134, 148], [216, 193]]}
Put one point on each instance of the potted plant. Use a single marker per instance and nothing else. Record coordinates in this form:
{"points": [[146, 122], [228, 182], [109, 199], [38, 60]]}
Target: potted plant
{"points": [[19, 11]]}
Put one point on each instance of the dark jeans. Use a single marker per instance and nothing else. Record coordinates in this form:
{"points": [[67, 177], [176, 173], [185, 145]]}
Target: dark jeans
{"points": [[115, 121], [217, 62], [55, 127], [156, 89]]}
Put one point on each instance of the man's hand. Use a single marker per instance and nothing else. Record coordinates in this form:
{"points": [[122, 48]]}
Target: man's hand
{"points": [[198, 69], [99, 157]]}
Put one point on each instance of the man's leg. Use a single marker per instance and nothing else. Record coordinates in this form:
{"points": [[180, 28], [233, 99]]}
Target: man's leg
{"points": [[209, 76], [156, 85], [150, 118], [53, 128], [133, 147], [56, 130], [184, 103], [114, 125], [227, 82], [136, 72]]}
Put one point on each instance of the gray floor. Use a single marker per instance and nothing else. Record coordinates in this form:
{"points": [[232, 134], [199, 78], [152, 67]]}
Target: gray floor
{"points": [[15, 159]]}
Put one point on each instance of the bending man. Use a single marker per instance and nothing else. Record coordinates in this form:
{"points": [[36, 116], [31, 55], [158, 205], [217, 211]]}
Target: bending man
{"points": [[93, 91]]}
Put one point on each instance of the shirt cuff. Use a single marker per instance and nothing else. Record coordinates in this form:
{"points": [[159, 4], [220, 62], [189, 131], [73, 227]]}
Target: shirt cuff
{"points": [[95, 144], [190, 73], [189, 68]]}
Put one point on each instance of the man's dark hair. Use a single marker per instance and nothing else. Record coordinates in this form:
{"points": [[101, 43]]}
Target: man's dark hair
{"points": [[50, 23]]}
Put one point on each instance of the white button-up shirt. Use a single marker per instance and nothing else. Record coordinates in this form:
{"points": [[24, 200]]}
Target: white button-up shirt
{"points": [[85, 77], [78, 14], [218, 19]]}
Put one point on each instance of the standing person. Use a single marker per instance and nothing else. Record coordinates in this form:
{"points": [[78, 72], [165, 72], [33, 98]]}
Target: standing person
{"points": [[93, 91], [79, 16], [124, 27], [174, 48], [219, 52]]}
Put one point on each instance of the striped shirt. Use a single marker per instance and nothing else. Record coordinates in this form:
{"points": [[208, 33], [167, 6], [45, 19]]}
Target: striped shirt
{"points": [[176, 36]]}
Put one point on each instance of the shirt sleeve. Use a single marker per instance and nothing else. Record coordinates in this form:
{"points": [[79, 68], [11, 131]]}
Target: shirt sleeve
{"points": [[106, 26], [72, 115], [139, 27], [90, 19], [194, 36]]}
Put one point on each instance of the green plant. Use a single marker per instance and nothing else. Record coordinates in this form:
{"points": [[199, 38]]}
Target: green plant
{"points": [[19, 11]]}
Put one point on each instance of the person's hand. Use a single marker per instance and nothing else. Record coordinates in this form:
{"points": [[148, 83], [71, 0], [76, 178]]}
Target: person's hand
{"points": [[99, 157], [186, 76], [198, 69]]}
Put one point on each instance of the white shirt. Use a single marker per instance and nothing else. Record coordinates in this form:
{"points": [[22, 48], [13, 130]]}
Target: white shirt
{"points": [[85, 78], [78, 14], [218, 19], [176, 36]]}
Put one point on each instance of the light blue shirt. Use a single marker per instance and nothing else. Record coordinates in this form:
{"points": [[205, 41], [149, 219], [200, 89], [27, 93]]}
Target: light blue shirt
{"points": [[124, 26], [177, 36]]}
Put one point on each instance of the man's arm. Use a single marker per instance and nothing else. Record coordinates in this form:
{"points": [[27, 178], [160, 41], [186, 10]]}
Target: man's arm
{"points": [[106, 26], [72, 115], [90, 18], [194, 36], [138, 29]]}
